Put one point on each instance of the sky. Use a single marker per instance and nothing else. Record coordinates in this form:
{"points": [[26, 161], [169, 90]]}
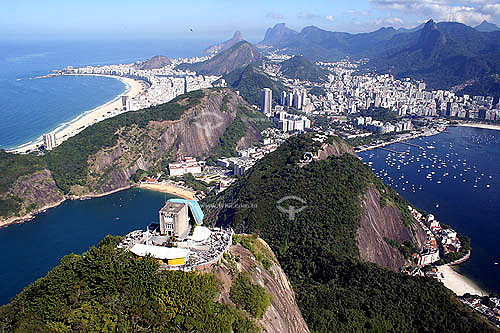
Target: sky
{"points": [[218, 19]]}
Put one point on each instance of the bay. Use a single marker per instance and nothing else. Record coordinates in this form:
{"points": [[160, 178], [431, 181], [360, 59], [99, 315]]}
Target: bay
{"points": [[29, 250], [463, 189]]}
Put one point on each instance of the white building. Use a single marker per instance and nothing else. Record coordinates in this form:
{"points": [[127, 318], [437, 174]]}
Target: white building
{"points": [[49, 141], [189, 165], [266, 101]]}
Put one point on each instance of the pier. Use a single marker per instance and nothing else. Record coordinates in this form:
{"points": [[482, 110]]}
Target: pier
{"points": [[412, 145], [392, 151]]}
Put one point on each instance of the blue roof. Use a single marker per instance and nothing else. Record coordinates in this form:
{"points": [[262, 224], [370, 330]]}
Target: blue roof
{"points": [[195, 208]]}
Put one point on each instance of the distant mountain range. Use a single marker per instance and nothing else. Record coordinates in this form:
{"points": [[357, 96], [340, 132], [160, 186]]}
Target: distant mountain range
{"points": [[214, 49], [277, 33], [239, 55], [487, 27], [443, 54]]}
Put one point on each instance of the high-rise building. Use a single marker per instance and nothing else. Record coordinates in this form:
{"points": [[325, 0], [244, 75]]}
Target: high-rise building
{"points": [[289, 99], [267, 101], [283, 98], [297, 101], [49, 141]]}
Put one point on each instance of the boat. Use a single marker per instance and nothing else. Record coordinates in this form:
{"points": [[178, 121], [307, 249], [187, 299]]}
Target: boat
{"points": [[437, 205]]}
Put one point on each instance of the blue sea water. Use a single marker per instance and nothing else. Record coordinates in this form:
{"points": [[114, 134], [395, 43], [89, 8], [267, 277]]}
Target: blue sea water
{"points": [[29, 108], [29, 250], [464, 162]]}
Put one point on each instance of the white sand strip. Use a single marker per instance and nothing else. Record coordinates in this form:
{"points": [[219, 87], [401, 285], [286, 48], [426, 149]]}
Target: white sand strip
{"points": [[111, 108], [459, 283]]}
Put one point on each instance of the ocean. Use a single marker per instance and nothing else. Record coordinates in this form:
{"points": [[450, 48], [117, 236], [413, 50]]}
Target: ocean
{"points": [[456, 177], [29, 250], [30, 108]]}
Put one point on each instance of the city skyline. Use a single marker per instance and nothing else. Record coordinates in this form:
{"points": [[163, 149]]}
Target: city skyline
{"points": [[198, 19]]}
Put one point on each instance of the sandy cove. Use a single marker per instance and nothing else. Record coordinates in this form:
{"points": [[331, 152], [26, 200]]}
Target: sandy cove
{"points": [[170, 189], [88, 118], [459, 283], [164, 188]]}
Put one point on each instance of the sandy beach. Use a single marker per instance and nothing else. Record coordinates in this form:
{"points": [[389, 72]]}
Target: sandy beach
{"points": [[171, 189], [110, 109], [459, 283], [478, 125]]}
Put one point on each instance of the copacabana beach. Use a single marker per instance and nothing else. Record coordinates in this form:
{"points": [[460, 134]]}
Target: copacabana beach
{"points": [[107, 110], [459, 283]]}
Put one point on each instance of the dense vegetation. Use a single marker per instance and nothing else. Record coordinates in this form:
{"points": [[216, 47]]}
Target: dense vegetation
{"points": [[250, 80], [256, 247], [318, 250], [239, 55], [12, 167], [68, 161], [106, 289], [228, 142], [251, 297], [379, 113], [453, 256], [299, 67]]}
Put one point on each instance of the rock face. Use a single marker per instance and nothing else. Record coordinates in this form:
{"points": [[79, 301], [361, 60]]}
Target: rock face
{"points": [[283, 315], [214, 49], [378, 223], [37, 191], [277, 33], [195, 134]]}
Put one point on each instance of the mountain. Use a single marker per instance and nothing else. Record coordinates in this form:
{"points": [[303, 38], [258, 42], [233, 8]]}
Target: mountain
{"points": [[154, 63], [299, 67], [250, 80], [105, 156], [277, 34], [327, 221], [214, 49], [443, 54], [318, 44], [485, 26], [418, 27], [239, 55], [107, 289]]}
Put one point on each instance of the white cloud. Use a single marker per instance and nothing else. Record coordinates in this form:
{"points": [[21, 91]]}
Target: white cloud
{"points": [[276, 16], [329, 18], [391, 21], [493, 9], [470, 12], [307, 15], [358, 12]]}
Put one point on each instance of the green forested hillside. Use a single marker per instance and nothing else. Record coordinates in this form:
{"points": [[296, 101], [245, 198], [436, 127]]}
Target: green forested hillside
{"points": [[336, 292], [299, 67], [250, 80], [12, 167], [105, 289], [68, 161]]}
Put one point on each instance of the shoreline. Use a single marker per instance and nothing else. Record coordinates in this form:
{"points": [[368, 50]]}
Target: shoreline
{"points": [[87, 118], [163, 188], [170, 189], [459, 283], [479, 125]]}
